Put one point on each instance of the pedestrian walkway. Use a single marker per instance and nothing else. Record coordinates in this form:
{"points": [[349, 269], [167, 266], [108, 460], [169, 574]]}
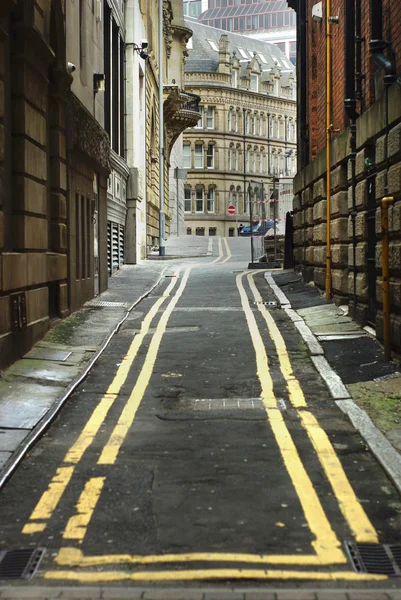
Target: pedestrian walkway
{"points": [[34, 388]]}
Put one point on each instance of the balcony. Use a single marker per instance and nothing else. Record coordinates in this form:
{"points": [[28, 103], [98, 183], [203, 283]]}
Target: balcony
{"points": [[181, 110]]}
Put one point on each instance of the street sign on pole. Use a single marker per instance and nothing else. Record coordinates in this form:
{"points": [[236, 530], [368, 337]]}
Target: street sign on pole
{"points": [[231, 210]]}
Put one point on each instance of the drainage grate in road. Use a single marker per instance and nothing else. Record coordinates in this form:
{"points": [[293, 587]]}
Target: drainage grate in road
{"points": [[271, 303], [381, 559], [105, 304], [20, 564], [48, 354], [222, 404]]}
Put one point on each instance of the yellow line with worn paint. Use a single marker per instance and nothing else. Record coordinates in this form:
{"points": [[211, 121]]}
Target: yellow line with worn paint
{"points": [[326, 542], [110, 451], [73, 557], [229, 253], [220, 256], [49, 500], [77, 524], [352, 510], [51, 497], [93, 577]]}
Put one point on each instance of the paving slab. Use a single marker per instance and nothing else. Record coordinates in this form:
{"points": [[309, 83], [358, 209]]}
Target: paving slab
{"points": [[22, 405], [43, 370], [4, 456], [10, 439]]}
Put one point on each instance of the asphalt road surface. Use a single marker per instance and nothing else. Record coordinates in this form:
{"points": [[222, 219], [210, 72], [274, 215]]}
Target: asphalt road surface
{"points": [[203, 447]]}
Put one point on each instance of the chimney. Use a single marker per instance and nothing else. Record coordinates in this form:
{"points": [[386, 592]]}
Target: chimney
{"points": [[224, 55]]}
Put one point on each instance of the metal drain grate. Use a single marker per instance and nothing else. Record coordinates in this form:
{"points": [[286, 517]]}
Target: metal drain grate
{"points": [[20, 564], [222, 404], [271, 303], [106, 304], [381, 559]]}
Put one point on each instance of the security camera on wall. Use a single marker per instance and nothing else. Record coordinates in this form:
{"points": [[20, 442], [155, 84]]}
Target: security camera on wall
{"points": [[144, 44], [317, 12]]}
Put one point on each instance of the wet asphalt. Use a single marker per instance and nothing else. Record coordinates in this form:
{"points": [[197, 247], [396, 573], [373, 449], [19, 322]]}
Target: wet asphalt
{"points": [[199, 470]]}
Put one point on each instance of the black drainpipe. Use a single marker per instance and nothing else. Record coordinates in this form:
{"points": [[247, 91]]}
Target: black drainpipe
{"points": [[359, 40], [350, 108], [301, 70], [268, 144]]}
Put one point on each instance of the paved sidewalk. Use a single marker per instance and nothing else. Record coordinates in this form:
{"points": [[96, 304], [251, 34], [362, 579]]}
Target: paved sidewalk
{"points": [[32, 388], [186, 246], [373, 383], [124, 593]]}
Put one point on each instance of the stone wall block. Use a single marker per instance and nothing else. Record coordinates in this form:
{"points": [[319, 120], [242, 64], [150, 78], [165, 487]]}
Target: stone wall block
{"points": [[319, 211], [306, 197], [361, 285], [379, 156], [36, 269], [298, 219], [29, 84], [378, 220], [5, 315], [37, 304], [298, 255], [297, 202], [309, 216], [339, 204], [58, 144], [339, 229], [63, 295], [58, 206], [395, 256], [319, 190], [58, 172], [14, 271], [309, 255], [319, 276], [56, 266], [319, 234], [360, 163], [380, 183], [394, 141], [361, 194], [30, 196], [361, 253], [394, 180], [30, 233], [360, 226], [298, 237], [319, 255], [394, 218], [339, 255], [29, 121], [339, 178], [59, 237], [339, 281], [29, 159]]}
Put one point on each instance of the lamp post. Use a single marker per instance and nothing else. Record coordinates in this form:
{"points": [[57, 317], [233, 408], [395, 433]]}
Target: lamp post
{"points": [[162, 246]]}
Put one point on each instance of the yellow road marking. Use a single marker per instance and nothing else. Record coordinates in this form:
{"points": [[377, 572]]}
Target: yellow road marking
{"points": [[73, 557], [326, 542], [220, 256], [51, 497], [229, 253], [110, 451], [77, 524], [345, 495], [93, 577]]}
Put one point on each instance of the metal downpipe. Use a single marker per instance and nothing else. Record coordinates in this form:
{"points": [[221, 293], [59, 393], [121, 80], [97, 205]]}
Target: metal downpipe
{"points": [[329, 128]]}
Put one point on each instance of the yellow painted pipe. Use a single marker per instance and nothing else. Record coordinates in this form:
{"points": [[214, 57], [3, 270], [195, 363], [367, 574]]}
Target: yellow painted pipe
{"points": [[329, 128], [385, 277]]}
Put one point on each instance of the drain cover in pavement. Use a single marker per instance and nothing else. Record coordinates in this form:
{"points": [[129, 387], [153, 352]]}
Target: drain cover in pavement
{"points": [[20, 564], [48, 354], [105, 304], [383, 559]]}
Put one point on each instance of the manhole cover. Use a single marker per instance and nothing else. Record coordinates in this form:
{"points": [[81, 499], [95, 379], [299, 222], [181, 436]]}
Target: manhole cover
{"points": [[382, 559], [105, 304], [48, 354], [20, 564]]}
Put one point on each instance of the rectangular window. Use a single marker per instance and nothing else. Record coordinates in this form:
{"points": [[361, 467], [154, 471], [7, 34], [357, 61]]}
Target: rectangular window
{"points": [[260, 163], [229, 164], [210, 201], [187, 200], [210, 117], [210, 156], [199, 200], [254, 162], [212, 231], [247, 123], [234, 78], [279, 19], [260, 126], [198, 156], [229, 122], [186, 162], [248, 23], [199, 124], [247, 161], [236, 160], [253, 130], [241, 24], [243, 53], [254, 82], [189, 231], [254, 22], [236, 121]]}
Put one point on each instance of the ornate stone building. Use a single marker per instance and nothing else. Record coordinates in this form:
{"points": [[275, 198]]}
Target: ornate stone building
{"points": [[246, 134]]}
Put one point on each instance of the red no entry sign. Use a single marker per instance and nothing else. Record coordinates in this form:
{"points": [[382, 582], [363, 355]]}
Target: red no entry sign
{"points": [[231, 210]]}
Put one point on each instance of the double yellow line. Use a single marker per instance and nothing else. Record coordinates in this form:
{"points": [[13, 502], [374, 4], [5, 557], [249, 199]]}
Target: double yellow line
{"points": [[221, 258], [49, 500]]}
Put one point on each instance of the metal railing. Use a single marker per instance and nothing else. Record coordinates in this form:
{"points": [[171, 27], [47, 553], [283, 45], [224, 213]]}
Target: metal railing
{"points": [[193, 103]]}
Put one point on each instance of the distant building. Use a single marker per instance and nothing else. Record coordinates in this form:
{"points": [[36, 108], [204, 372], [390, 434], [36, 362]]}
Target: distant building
{"points": [[246, 134]]}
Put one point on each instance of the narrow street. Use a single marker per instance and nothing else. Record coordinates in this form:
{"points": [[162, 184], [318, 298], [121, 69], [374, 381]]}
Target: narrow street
{"points": [[204, 448]]}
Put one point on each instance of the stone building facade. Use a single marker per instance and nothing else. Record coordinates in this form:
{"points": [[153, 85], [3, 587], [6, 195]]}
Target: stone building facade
{"points": [[366, 156], [246, 134]]}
